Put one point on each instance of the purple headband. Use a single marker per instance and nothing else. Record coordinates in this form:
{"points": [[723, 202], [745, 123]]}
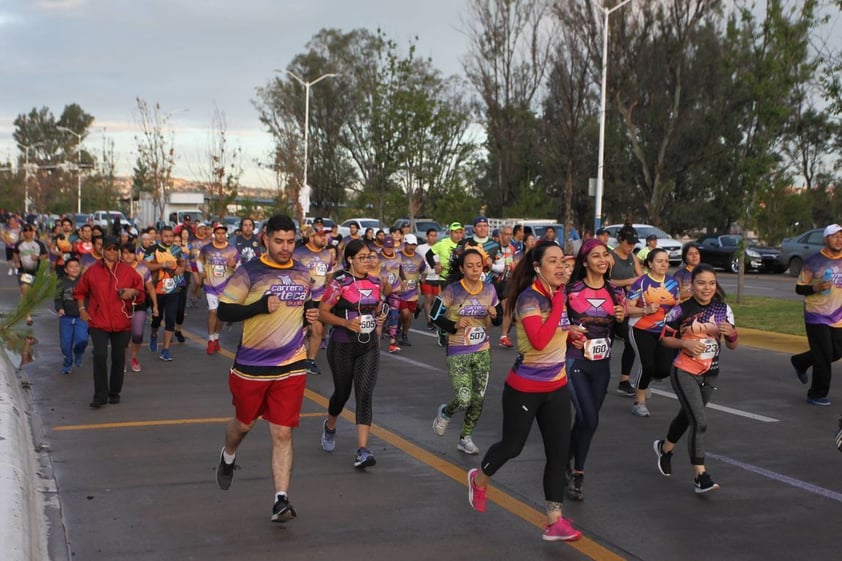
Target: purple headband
{"points": [[588, 246]]}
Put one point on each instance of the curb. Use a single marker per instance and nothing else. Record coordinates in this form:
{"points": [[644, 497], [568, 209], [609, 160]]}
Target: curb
{"points": [[771, 341], [23, 531]]}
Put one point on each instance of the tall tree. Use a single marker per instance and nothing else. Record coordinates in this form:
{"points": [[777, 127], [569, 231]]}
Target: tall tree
{"points": [[156, 150], [223, 168]]}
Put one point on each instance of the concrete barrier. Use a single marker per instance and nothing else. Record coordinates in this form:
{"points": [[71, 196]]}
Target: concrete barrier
{"points": [[23, 530]]}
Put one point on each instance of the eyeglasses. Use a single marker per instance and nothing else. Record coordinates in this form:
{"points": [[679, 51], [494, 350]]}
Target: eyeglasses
{"points": [[370, 257]]}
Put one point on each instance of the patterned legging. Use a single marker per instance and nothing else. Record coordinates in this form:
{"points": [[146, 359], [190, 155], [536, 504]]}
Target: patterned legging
{"points": [[469, 376], [353, 364]]}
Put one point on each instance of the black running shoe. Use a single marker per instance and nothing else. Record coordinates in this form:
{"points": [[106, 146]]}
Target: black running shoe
{"points": [[839, 436], [664, 458], [799, 373], [625, 389], [442, 338], [283, 511], [574, 487], [404, 342], [225, 472], [704, 484], [179, 336]]}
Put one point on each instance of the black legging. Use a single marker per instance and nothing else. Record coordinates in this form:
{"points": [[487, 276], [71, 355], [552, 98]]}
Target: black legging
{"points": [[655, 359], [353, 364], [552, 411], [182, 300], [825, 348], [167, 311], [627, 360], [693, 393], [119, 340], [588, 385]]}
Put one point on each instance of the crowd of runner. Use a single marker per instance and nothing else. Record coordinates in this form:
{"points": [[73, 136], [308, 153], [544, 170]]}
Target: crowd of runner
{"points": [[299, 292]]}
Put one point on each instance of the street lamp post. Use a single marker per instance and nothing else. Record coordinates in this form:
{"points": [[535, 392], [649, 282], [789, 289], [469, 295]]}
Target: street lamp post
{"points": [[601, 166], [79, 167], [26, 148], [306, 85]]}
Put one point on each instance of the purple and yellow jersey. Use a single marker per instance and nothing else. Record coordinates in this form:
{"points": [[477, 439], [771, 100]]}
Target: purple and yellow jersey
{"points": [[86, 260], [141, 269], [547, 365], [461, 303], [390, 271], [215, 263], [593, 309], [272, 345], [823, 308], [321, 263], [413, 267], [647, 290], [166, 280]]}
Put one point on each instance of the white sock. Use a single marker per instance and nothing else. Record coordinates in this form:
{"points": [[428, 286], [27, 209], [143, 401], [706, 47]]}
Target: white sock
{"points": [[280, 494], [228, 458]]}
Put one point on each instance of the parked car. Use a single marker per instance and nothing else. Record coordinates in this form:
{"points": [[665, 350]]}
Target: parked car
{"points": [[106, 218], [540, 229], [421, 226], [672, 245], [722, 251], [795, 250], [362, 224]]}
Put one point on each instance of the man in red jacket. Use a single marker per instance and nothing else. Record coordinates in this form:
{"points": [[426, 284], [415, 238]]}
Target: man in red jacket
{"points": [[107, 294]]}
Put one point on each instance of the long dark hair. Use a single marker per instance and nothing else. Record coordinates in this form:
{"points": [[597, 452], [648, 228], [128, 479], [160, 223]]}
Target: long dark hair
{"points": [[455, 274], [706, 268], [580, 269], [524, 274]]}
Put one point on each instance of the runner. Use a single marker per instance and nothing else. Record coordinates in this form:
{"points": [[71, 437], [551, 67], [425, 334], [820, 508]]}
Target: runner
{"points": [[73, 330], [319, 259], [11, 236], [351, 304], [691, 257], [430, 281], [269, 295], [509, 257], [390, 273], [129, 255], [167, 264], [216, 264], [28, 253], [596, 305], [109, 289], [625, 270], [536, 387], [413, 267], [649, 299], [247, 243], [465, 310], [695, 328], [820, 282]]}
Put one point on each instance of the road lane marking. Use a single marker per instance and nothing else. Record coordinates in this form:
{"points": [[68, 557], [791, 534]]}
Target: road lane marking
{"points": [[156, 423], [724, 409]]}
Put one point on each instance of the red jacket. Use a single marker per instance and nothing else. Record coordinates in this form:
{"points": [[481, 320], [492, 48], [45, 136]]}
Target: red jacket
{"points": [[99, 286]]}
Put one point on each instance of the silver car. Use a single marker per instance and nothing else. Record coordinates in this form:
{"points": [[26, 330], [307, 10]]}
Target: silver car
{"points": [[672, 246], [794, 251]]}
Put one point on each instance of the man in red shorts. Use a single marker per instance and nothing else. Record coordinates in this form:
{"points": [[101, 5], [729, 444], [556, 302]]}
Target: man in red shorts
{"points": [[430, 281], [413, 267], [271, 296]]}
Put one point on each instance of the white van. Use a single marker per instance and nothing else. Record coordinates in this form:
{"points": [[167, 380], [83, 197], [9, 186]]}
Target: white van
{"points": [[106, 218]]}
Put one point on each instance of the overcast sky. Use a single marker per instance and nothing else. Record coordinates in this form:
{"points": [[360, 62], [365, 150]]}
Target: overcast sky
{"points": [[187, 55]]}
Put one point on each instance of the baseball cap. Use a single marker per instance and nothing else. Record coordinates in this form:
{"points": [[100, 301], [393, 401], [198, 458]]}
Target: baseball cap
{"points": [[601, 231], [201, 225], [388, 242], [108, 241], [628, 234], [479, 220], [832, 229], [495, 233], [456, 226], [651, 237], [220, 225], [410, 239], [187, 218]]}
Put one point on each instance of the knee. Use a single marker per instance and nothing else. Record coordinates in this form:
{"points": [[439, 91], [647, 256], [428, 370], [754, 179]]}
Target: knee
{"points": [[244, 427]]}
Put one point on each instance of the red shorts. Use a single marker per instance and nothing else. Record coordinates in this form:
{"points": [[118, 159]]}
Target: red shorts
{"points": [[430, 289], [411, 306], [278, 401]]}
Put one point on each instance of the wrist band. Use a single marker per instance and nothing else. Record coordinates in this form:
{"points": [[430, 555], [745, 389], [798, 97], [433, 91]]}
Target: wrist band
{"points": [[732, 339]]}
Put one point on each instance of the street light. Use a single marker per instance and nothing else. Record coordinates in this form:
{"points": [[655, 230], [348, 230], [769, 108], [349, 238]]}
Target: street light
{"points": [[306, 85], [79, 165], [601, 166], [26, 148]]}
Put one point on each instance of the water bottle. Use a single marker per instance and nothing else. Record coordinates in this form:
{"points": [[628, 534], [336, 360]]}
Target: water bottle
{"points": [[827, 276]]}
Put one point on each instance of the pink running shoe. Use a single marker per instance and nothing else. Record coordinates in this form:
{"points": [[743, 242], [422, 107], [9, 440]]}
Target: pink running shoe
{"points": [[561, 531], [135, 365], [476, 496]]}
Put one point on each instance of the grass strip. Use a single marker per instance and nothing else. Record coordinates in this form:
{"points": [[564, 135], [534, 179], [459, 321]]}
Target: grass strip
{"points": [[770, 314]]}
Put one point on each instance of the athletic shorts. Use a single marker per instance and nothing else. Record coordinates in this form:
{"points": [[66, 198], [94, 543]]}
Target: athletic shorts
{"points": [[278, 401], [430, 288], [500, 288], [411, 306], [213, 301]]}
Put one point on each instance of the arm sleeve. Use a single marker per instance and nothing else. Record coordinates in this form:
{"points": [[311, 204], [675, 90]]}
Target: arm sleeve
{"points": [[804, 289], [240, 312], [430, 257], [540, 334]]}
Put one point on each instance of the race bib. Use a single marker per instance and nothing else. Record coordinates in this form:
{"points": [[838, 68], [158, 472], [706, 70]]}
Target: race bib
{"points": [[392, 278], [27, 278], [169, 284], [597, 349], [367, 323], [218, 270], [320, 269], [711, 348], [410, 285], [475, 336]]}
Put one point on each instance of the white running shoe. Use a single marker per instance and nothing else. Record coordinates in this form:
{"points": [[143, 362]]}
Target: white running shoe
{"points": [[467, 446], [441, 421]]}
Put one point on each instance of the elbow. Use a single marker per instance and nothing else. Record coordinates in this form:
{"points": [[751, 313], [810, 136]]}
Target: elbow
{"points": [[224, 312]]}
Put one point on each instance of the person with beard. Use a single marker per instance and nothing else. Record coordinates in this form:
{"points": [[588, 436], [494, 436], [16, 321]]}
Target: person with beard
{"points": [[167, 264], [413, 267], [488, 248], [246, 242], [216, 264]]}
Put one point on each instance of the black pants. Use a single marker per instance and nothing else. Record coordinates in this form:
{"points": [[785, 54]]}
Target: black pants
{"points": [[119, 340], [167, 311], [354, 365], [588, 381], [182, 301], [552, 411], [825, 348], [627, 359], [694, 393], [655, 359]]}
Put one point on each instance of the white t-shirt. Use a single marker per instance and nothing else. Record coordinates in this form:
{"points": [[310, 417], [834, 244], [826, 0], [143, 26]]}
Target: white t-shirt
{"points": [[430, 275]]}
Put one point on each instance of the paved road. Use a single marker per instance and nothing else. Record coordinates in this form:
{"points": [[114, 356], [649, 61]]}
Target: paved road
{"points": [[136, 480], [768, 285]]}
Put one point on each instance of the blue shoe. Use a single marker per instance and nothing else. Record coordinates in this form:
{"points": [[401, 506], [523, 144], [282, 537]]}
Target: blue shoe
{"points": [[328, 438], [364, 459], [153, 343], [818, 401], [166, 356], [78, 361], [65, 370]]}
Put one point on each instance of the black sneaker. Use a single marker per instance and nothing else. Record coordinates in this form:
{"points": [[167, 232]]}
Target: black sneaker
{"points": [[225, 472], [625, 389], [574, 487], [404, 342], [431, 326], [800, 374], [442, 339], [312, 367], [283, 511], [179, 336], [664, 458], [704, 483], [839, 436]]}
